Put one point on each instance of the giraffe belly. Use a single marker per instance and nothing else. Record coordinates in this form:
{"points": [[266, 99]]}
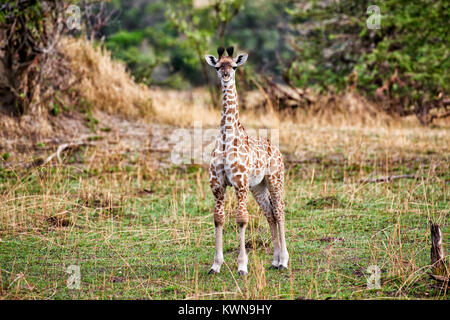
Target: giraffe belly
{"points": [[255, 179]]}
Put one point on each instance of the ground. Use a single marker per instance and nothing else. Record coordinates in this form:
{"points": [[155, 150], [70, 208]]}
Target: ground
{"points": [[141, 227]]}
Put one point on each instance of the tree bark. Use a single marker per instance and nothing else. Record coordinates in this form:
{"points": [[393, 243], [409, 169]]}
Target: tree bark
{"points": [[437, 252]]}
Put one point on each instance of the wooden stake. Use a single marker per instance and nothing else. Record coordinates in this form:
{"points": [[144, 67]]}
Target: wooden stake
{"points": [[437, 252]]}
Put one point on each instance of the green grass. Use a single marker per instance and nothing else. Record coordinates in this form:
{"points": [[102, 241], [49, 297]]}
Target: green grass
{"points": [[139, 233]]}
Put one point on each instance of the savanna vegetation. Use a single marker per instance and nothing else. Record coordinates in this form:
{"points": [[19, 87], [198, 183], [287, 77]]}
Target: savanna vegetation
{"points": [[91, 116]]}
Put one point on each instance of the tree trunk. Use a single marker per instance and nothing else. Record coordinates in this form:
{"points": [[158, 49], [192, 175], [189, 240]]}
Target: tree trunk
{"points": [[437, 252]]}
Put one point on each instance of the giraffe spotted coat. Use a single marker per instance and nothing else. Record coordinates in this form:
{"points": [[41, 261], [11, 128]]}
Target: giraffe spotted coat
{"points": [[246, 164]]}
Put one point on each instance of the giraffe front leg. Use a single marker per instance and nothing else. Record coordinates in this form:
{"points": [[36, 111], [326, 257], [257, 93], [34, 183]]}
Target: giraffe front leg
{"points": [[242, 221], [218, 257], [219, 219]]}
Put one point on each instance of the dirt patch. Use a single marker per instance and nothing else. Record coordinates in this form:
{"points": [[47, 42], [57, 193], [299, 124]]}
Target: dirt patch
{"points": [[117, 279], [325, 202], [331, 239], [359, 273], [58, 221], [111, 134]]}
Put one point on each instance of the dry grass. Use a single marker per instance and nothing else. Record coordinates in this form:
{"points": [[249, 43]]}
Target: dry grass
{"points": [[100, 84], [344, 129], [183, 108], [105, 83], [140, 232]]}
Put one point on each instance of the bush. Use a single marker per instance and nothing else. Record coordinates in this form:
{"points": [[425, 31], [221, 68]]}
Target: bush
{"points": [[402, 64]]}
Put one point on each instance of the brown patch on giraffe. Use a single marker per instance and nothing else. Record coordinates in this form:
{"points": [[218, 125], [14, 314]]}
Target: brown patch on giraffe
{"points": [[232, 148], [237, 180], [239, 168], [217, 193], [232, 156], [219, 219], [214, 181]]}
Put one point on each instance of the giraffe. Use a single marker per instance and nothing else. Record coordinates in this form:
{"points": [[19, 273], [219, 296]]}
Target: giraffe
{"points": [[244, 163]]}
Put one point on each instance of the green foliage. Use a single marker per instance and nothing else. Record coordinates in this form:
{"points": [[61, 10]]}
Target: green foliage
{"points": [[132, 48], [328, 46], [166, 45], [414, 46], [403, 62], [261, 29]]}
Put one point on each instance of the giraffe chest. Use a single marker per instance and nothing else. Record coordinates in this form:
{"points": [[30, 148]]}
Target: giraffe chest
{"points": [[239, 163]]}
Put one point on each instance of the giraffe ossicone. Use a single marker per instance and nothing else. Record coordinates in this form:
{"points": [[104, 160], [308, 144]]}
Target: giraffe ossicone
{"points": [[246, 164]]}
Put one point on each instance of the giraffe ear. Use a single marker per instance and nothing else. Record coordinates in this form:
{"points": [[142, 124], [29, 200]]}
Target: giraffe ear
{"points": [[211, 60], [241, 59]]}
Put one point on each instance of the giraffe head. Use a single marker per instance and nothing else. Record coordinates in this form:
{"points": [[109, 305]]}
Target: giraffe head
{"points": [[226, 65]]}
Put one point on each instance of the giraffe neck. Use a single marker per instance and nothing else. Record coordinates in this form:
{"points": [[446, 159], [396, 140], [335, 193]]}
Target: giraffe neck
{"points": [[230, 126]]}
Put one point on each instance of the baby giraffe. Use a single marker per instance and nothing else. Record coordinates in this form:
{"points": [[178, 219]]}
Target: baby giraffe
{"points": [[244, 163]]}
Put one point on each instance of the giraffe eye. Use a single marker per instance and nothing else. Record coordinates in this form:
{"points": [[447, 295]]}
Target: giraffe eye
{"points": [[234, 68], [217, 68]]}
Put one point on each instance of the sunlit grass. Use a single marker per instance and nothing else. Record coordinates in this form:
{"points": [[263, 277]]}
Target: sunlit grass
{"points": [[141, 232]]}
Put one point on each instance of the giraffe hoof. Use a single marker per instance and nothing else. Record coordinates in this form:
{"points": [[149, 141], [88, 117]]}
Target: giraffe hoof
{"points": [[242, 273], [212, 271], [281, 267], [272, 267]]}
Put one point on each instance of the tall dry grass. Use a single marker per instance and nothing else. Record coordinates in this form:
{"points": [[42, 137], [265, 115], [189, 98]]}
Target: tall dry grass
{"points": [[105, 83], [349, 126]]}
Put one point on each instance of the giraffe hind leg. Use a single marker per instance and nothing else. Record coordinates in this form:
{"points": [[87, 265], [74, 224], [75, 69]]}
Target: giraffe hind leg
{"points": [[261, 194], [275, 186]]}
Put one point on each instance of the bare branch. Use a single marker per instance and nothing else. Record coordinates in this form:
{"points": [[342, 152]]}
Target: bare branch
{"points": [[66, 146], [388, 178]]}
